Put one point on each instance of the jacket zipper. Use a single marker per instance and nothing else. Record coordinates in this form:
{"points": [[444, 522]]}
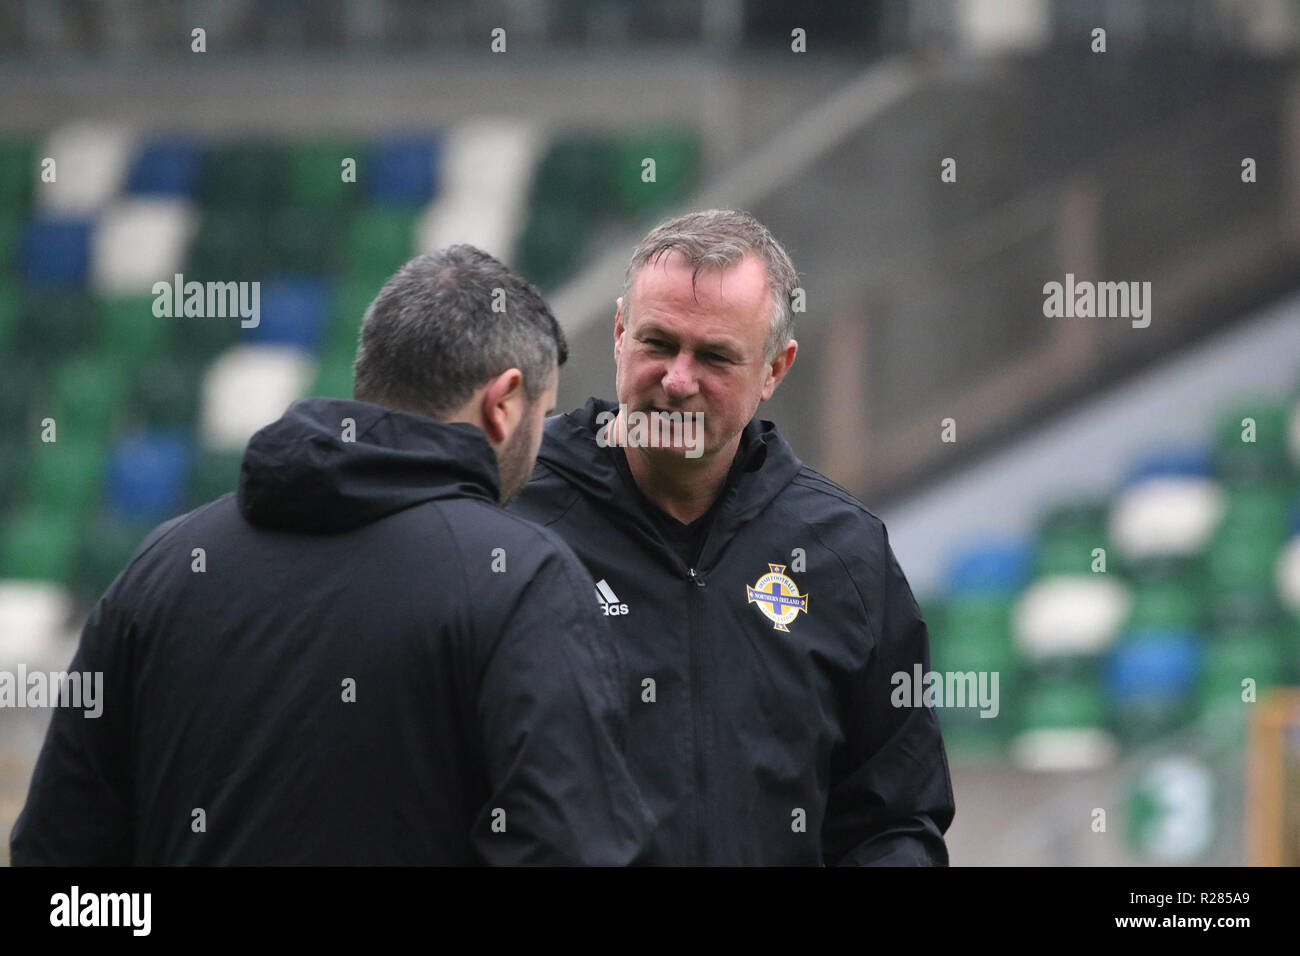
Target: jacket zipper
{"points": [[701, 842]]}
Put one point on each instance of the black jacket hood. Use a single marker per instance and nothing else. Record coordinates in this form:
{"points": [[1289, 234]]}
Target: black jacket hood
{"points": [[298, 473], [765, 464]]}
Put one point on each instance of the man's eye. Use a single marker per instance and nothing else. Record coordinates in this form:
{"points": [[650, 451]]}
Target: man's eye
{"points": [[715, 357], [656, 343]]}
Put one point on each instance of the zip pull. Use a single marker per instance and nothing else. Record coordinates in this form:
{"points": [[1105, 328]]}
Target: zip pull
{"points": [[696, 577]]}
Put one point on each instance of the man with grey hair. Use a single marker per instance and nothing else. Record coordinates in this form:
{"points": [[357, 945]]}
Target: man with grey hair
{"points": [[360, 658], [760, 604]]}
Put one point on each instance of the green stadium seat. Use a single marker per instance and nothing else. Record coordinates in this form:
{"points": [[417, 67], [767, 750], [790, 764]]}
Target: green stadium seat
{"points": [[245, 175], [677, 163], [66, 476], [333, 379], [1266, 457], [581, 172], [13, 473], [316, 173], [1166, 602], [348, 304], [379, 240], [214, 474], [1067, 536], [38, 544], [165, 392], [1239, 577], [18, 173], [10, 312], [87, 396], [550, 244], [55, 323], [131, 334], [230, 246], [10, 228], [305, 241]]}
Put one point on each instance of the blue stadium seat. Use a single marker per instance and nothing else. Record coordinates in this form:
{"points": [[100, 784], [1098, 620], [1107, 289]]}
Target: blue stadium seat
{"points": [[148, 474], [402, 170], [166, 167], [55, 251], [292, 313], [1171, 462], [992, 567]]}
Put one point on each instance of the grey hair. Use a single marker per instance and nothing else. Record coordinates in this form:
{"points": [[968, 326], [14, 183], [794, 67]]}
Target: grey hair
{"points": [[444, 324], [719, 238]]}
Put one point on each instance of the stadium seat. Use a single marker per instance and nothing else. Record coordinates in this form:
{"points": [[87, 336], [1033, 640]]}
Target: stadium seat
{"points": [[580, 172], [213, 475], [10, 310], [379, 240], [147, 475], [165, 392], [333, 379], [548, 249], [88, 393], [401, 170], [20, 395], [1240, 579], [38, 545], [1071, 615], [18, 174], [54, 323], [139, 242], [166, 166], [487, 169], [305, 241], [247, 387], [347, 307], [91, 161], [292, 313], [1171, 600], [316, 173], [131, 334], [249, 177], [994, 566], [65, 476], [32, 620], [1151, 680], [676, 156], [1063, 727], [11, 231], [229, 246], [1068, 535], [55, 251], [1265, 458], [1287, 575], [1165, 515]]}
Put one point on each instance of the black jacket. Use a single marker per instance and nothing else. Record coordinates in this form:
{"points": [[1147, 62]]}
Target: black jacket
{"points": [[368, 662], [755, 745]]}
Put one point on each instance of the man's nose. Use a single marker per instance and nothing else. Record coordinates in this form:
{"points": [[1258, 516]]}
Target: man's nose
{"points": [[679, 378]]}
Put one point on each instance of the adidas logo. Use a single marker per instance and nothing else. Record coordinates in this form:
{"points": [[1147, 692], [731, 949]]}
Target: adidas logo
{"points": [[609, 603]]}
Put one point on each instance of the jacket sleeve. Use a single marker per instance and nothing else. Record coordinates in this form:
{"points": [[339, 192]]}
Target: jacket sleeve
{"points": [[552, 706], [891, 795], [78, 807]]}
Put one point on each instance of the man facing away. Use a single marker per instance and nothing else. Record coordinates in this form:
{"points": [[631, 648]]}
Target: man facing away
{"points": [[360, 658], [760, 605]]}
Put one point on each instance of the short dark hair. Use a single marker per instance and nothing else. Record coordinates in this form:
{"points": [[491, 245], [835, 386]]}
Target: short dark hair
{"points": [[444, 324]]}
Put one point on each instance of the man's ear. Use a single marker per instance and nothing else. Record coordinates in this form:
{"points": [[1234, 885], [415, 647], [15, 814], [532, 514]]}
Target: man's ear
{"points": [[778, 367], [502, 405], [619, 327]]}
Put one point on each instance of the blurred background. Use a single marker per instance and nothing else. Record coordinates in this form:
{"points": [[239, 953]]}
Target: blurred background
{"points": [[1106, 515]]}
